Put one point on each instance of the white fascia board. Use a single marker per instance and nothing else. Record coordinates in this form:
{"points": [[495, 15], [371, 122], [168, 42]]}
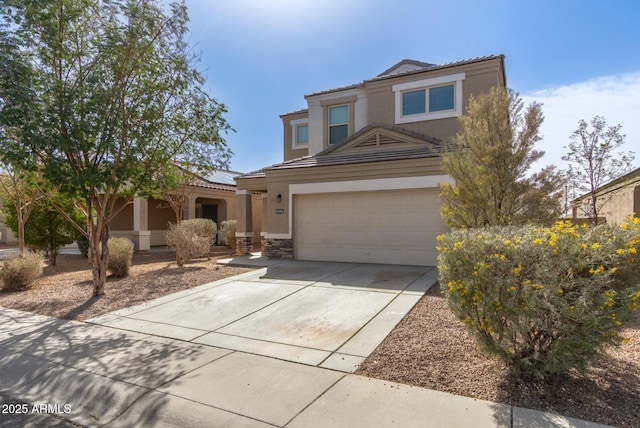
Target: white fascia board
{"points": [[399, 183], [332, 96]]}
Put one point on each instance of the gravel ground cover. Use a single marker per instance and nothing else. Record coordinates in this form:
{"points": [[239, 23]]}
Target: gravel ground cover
{"points": [[65, 290], [429, 347], [432, 349]]}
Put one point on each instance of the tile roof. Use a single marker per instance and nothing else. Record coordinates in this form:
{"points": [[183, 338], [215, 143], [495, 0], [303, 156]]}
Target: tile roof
{"points": [[217, 180], [439, 67], [291, 113], [327, 158], [354, 158], [254, 174], [426, 67], [209, 185]]}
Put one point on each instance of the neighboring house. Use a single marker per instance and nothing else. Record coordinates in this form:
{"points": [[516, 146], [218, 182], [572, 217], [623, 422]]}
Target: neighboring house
{"points": [[362, 168], [6, 235], [214, 197], [616, 200], [145, 220]]}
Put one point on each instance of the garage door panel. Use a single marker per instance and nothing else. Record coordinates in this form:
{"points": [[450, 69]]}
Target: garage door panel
{"points": [[397, 227]]}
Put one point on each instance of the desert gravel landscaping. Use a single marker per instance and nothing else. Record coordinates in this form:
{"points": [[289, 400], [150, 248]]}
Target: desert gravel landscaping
{"points": [[429, 347], [432, 349], [65, 290]]}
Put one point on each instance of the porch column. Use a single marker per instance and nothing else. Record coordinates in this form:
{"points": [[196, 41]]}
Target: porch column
{"points": [[263, 220], [141, 234], [190, 210], [244, 227]]}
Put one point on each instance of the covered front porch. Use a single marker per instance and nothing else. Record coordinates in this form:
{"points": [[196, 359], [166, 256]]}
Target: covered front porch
{"points": [[253, 208], [145, 220]]}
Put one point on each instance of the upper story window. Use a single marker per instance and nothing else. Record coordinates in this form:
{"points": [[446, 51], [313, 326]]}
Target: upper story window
{"points": [[429, 99], [338, 123], [300, 133]]}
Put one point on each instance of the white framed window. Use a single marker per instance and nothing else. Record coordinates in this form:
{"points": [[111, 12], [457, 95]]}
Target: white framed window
{"points": [[300, 134], [338, 123], [428, 99]]}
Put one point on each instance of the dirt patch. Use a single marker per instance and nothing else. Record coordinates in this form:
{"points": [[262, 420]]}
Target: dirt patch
{"points": [[432, 349], [65, 290]]}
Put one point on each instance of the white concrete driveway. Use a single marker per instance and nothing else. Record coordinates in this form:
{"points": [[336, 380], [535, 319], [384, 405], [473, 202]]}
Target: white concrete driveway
{"points": [[331, 315]]}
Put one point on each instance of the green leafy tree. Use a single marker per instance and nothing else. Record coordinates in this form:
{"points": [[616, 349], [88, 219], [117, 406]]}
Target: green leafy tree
{"points": [[489, 160], [595, 158], [19, 196], [46, 227], [105, 94]]}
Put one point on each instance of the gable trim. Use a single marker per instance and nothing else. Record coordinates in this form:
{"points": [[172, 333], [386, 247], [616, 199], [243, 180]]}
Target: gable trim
{"points": [[403, 136]]}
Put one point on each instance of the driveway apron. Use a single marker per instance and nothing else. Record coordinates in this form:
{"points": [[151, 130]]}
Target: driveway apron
{"points": [[331, 315]]}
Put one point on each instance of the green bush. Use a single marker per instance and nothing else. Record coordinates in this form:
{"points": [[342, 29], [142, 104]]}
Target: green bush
{"points": [[191, 238], [229, 232], [21, 273], [46, 228], [120, 256], [543, 300]]}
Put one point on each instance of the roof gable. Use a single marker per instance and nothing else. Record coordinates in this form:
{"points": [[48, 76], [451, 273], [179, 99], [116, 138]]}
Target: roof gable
{"points": [[382, 137], [406, 65]]}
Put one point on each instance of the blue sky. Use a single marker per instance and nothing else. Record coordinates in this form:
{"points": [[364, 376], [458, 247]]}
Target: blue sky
{"points": [[260, 57]]}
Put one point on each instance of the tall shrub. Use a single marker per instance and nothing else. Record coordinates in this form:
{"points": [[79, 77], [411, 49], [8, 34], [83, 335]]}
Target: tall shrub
{"points": [[229, 232], [191, 238], [120, 256], [543, 300]]}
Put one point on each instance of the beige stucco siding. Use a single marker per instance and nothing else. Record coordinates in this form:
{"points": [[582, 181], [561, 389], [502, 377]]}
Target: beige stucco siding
{"points": [[159, 214], [479, 78], [375, 101], [615, 204], [289, 151], [279, 181]]}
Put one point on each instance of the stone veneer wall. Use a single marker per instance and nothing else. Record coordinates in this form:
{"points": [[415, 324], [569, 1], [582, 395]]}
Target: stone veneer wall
{"points": [[278, 248], [244, 245]]}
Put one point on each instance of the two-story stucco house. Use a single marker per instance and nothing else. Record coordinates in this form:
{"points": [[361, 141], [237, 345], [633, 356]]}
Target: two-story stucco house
{"points": [[362, 168]]}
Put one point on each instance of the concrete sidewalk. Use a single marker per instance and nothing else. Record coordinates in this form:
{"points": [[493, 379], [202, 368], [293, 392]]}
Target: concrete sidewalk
{"points": [[96, 375]]}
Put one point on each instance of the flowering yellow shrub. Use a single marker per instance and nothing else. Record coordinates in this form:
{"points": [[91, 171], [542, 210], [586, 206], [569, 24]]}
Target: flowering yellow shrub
{"points": [[543, 299]]}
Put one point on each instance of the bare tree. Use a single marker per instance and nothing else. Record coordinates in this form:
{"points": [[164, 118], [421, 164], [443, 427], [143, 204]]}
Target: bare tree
{"points": [[594, 159]]}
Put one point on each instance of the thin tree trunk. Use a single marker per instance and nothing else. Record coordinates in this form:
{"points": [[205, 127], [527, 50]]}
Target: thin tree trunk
{"points": [[21, 238], [98, 238], [100, 256]]}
